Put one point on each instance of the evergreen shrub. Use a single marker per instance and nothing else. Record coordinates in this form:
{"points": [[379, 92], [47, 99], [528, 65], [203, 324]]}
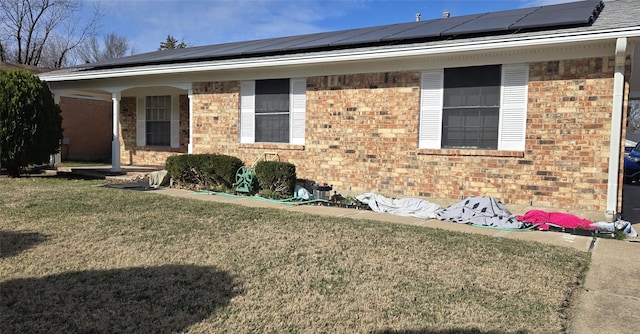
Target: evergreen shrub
{"points": [[276, 179], [203, 171]]}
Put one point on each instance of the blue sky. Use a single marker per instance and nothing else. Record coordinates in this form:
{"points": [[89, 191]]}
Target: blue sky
{"points": [[146, 23]]}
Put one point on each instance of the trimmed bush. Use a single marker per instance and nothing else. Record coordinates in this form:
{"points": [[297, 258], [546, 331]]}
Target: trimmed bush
{"points": [[30, 121], [276, 179], [203, 171], [224, 170]]}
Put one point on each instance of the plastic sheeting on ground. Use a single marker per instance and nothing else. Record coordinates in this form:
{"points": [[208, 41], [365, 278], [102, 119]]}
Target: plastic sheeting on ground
{"points": [[618, 225], [484, 211], [413, 207]]}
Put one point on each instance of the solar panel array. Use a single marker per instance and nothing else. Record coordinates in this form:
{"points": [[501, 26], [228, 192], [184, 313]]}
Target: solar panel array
{"points": [[561, 15]]}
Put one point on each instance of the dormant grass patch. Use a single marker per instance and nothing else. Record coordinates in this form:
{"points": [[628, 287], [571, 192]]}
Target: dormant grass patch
{"points": [[76, 257]]}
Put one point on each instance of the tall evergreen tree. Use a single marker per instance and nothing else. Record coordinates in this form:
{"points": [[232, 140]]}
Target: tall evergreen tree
{"points": [[172, 43], [30, 121]]}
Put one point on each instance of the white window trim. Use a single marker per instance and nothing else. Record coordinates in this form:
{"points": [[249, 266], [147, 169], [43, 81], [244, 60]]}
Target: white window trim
{"points": [[513, 108], [141, 121], [297, 111]]}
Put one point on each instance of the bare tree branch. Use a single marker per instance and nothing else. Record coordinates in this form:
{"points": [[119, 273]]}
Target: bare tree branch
{"points": [[633, 118], [115, 46], [43, 32]]}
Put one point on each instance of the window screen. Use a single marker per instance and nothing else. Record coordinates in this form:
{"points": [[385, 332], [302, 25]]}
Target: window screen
{"points": [[158, 120], [272, 111], [471, 107]]}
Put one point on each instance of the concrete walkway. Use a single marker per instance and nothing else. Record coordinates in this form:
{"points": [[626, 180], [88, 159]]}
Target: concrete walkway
{"points": [[609, 302]]}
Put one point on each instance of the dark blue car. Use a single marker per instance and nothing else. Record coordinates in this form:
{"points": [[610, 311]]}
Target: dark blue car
{"points": [[632, 165]]}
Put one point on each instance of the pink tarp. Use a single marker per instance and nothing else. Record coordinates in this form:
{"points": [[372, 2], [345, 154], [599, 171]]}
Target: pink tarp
{"points": [[543, 219]]}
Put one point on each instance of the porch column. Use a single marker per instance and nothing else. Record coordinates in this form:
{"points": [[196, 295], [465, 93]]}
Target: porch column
{"points": [[616, 130], [190, 97], [56, 159], [115, 141]]}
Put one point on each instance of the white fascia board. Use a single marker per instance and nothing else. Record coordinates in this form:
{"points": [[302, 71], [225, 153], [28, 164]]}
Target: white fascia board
{"points": [[382, 53]]}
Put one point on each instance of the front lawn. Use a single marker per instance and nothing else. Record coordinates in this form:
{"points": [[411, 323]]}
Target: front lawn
{"points": [[75, 257]]}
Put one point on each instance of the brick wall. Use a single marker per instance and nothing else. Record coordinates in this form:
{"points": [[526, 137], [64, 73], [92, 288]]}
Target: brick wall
{"points": [[362, 133], [130, 153], [87, 129]]}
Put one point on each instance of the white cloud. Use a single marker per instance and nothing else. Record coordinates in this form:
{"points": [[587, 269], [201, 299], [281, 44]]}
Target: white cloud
{"points": [[146, 23]]}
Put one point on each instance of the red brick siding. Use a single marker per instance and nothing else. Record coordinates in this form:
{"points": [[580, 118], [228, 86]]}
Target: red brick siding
{"points": [[87, 128], [362, 132]]}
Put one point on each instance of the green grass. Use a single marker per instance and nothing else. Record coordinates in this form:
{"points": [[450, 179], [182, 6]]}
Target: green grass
{"points": [[76, 257]]}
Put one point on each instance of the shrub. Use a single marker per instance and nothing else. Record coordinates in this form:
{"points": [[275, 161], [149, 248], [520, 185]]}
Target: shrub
{"points": [[203, 171], [276, 179], [30, 121], [224, 170]]}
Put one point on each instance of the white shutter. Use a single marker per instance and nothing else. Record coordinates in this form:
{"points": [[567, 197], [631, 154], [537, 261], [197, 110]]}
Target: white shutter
{"points": [[513, 109], [431, 94], [141, 122], [297, 110], [247, 111], [175, 121]]}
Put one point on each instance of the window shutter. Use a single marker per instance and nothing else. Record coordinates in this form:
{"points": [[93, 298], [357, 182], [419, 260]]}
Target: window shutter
{"points": [[247, 111], [141, 122], [513, 110], [175, 121], [431, 95], [297, 111]]}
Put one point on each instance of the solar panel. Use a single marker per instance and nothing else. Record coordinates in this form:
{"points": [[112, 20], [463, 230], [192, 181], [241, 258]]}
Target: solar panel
{"points": [[329, 40], [380, 34], [498, 21], [302, 39], [433, 28], [567, 14], [265, 45], [573, 13]]}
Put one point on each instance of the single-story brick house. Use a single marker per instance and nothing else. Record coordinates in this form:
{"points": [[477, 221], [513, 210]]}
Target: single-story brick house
{"points": [[526, 105]]}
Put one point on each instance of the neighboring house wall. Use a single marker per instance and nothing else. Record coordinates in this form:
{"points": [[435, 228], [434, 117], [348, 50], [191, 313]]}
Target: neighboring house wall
{"points": [[87, 129], [362, 135]]}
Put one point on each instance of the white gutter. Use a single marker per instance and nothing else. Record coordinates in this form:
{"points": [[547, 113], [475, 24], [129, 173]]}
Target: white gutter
{"points": [[354, 55], [616, 129]]}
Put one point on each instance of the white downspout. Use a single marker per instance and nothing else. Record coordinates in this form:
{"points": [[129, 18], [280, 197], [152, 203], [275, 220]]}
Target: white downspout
{"points": [[616, 129], [190, 97], [115, 141]]}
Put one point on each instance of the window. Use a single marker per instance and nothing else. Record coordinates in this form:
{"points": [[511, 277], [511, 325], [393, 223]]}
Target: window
{"points": [[158, 121], [470, 107], [158, 118], [273, 111], [481, 107]]}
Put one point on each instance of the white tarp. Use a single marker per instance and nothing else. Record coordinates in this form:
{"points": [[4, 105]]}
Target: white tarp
{"points": [[413, 207], [484, 211], [159, 178]]}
